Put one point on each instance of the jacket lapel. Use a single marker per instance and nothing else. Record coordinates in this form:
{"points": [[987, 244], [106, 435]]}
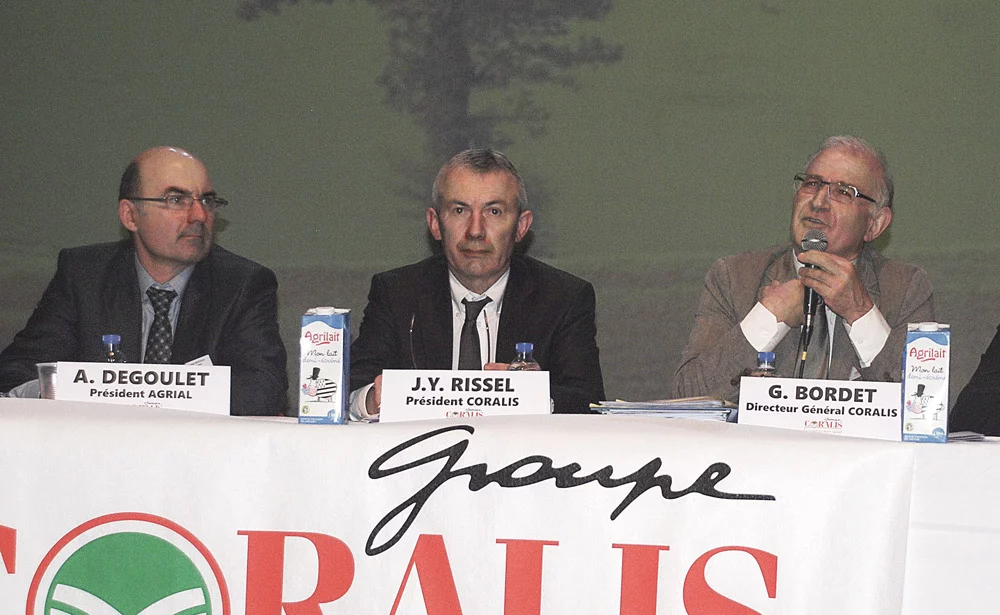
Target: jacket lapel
{"points": [[782, 269], [520, 286], [432, 321], [195, 309], [121, 303], [844, 357]]}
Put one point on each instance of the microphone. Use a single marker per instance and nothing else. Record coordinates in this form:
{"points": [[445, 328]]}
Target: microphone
{"points": [[413, 355], [813, 239]]}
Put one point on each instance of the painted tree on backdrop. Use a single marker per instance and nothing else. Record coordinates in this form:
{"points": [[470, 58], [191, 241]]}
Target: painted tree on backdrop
{"points": [[465, 70]]}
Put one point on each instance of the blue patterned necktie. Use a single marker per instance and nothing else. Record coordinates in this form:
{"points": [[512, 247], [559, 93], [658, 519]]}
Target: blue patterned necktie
{"points": [[160, 335]]}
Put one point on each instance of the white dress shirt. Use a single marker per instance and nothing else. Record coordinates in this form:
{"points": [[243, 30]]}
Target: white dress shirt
{"points": [[488, 323], [868, 334], [488, 326]]}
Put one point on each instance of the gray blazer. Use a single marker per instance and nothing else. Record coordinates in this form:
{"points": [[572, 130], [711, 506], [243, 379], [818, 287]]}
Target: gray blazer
{"points": [[717, 351]]}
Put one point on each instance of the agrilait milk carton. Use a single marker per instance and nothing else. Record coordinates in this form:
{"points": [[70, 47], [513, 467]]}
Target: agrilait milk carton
{"points": [[324, 365], [925, 382]]}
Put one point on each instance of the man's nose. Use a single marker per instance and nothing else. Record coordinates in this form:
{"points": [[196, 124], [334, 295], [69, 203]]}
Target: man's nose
{"points": [[821, 200], [476, 228], [197, 212]]}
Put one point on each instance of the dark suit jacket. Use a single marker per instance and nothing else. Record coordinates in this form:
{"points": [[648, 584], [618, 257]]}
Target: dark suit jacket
{"points": [[717, 350], [543, 305], [229, 311], [978, 405]]}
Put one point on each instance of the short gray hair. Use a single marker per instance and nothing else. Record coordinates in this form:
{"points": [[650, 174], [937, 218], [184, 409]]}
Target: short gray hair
{"points": [[481, 161], [859, 146]]}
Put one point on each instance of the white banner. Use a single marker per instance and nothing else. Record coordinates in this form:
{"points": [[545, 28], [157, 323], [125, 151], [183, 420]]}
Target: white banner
{"points": [[510, 515]]}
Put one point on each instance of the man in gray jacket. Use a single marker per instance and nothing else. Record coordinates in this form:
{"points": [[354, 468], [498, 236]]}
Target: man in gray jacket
{"points": [[753, 300]]}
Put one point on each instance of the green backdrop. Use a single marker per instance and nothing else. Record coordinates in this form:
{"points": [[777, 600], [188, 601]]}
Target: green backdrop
{"points": [[647, 169]]}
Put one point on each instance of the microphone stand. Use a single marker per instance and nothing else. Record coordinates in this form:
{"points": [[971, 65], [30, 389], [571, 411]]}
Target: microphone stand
{"points": [[805, 336]]}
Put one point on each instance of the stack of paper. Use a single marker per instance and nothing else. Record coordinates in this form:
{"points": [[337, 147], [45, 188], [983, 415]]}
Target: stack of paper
{"points": [[965, 436], [704, 408]]}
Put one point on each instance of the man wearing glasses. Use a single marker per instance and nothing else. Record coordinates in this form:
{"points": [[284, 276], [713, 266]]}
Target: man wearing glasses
{"points": [[168, 291], [752, 301]]}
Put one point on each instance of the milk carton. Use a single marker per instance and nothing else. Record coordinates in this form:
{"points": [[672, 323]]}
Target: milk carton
{"points": [[324, 365], [925, 382]]}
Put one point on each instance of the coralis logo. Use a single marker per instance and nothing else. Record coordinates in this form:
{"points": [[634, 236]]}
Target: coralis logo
{"points": [[928, 354], [126, 564], [321, 339], [824, 425]]}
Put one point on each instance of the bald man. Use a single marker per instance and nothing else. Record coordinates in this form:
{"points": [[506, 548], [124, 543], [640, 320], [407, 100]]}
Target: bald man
{"points": [[214, 302]]}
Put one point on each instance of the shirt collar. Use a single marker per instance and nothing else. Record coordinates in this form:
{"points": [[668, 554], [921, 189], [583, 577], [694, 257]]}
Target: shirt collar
{"points": [[495, 292], [177, 283]]}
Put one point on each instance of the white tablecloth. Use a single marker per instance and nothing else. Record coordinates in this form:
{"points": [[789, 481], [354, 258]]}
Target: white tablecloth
{"points": [[487, 516]]}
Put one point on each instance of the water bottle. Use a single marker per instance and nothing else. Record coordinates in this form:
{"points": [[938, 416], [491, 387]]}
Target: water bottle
{"points": [[524, 362], [765, 365], [112, 348]]}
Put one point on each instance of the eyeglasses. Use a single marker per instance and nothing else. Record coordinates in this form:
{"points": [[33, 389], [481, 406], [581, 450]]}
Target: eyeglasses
{"points": [[839, 191], [184, 202]]}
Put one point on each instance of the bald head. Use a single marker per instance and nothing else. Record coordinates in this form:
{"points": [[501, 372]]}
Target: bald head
{"points": [[131, 183], [167, 240]]}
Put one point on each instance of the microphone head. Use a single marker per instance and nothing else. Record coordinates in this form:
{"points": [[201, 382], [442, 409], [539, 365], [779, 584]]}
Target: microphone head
{"points": [[814, 239]]}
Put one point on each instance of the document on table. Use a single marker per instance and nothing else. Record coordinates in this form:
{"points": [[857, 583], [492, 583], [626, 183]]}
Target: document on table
{"points": [[704, 408]]}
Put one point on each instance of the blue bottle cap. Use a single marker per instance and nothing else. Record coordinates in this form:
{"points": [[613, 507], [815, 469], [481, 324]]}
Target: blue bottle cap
{"points": [[765, 357], [524, 347], [111, 338]]}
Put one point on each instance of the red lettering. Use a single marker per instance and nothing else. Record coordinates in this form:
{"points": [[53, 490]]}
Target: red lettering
{"points": [[700, 599], [8, 547], [437, 584], [928, 354], [640, 570], [522, 586], [265, 570], [321, 339]]}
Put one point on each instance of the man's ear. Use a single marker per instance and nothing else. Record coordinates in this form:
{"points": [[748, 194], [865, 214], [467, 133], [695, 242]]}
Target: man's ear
{"points": [[127, 212], [523, 224], [433, 223], [878, 223]]}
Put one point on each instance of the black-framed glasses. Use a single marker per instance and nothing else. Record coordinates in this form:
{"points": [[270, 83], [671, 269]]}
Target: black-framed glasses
{"points": [[839, 191], [184, 202]]}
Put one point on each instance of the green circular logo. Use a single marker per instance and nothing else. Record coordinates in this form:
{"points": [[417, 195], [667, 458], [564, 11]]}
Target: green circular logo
{"points": [[128, 564]]}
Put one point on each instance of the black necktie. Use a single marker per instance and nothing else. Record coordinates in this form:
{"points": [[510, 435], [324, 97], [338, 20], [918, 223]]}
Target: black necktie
{"points": [[160, 336], [469, 356]]}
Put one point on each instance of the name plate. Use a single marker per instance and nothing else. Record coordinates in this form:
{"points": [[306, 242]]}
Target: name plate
{"points": [[846, 407], [204, 388], [412, 394]]}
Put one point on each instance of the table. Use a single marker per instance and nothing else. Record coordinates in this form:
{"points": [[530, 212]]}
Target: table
{"points": [[513, 515]]}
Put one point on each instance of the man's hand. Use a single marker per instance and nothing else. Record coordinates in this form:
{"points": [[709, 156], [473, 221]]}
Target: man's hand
{"points": [[500, 367], [837, 281], [373, 401], [784, 300]]}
